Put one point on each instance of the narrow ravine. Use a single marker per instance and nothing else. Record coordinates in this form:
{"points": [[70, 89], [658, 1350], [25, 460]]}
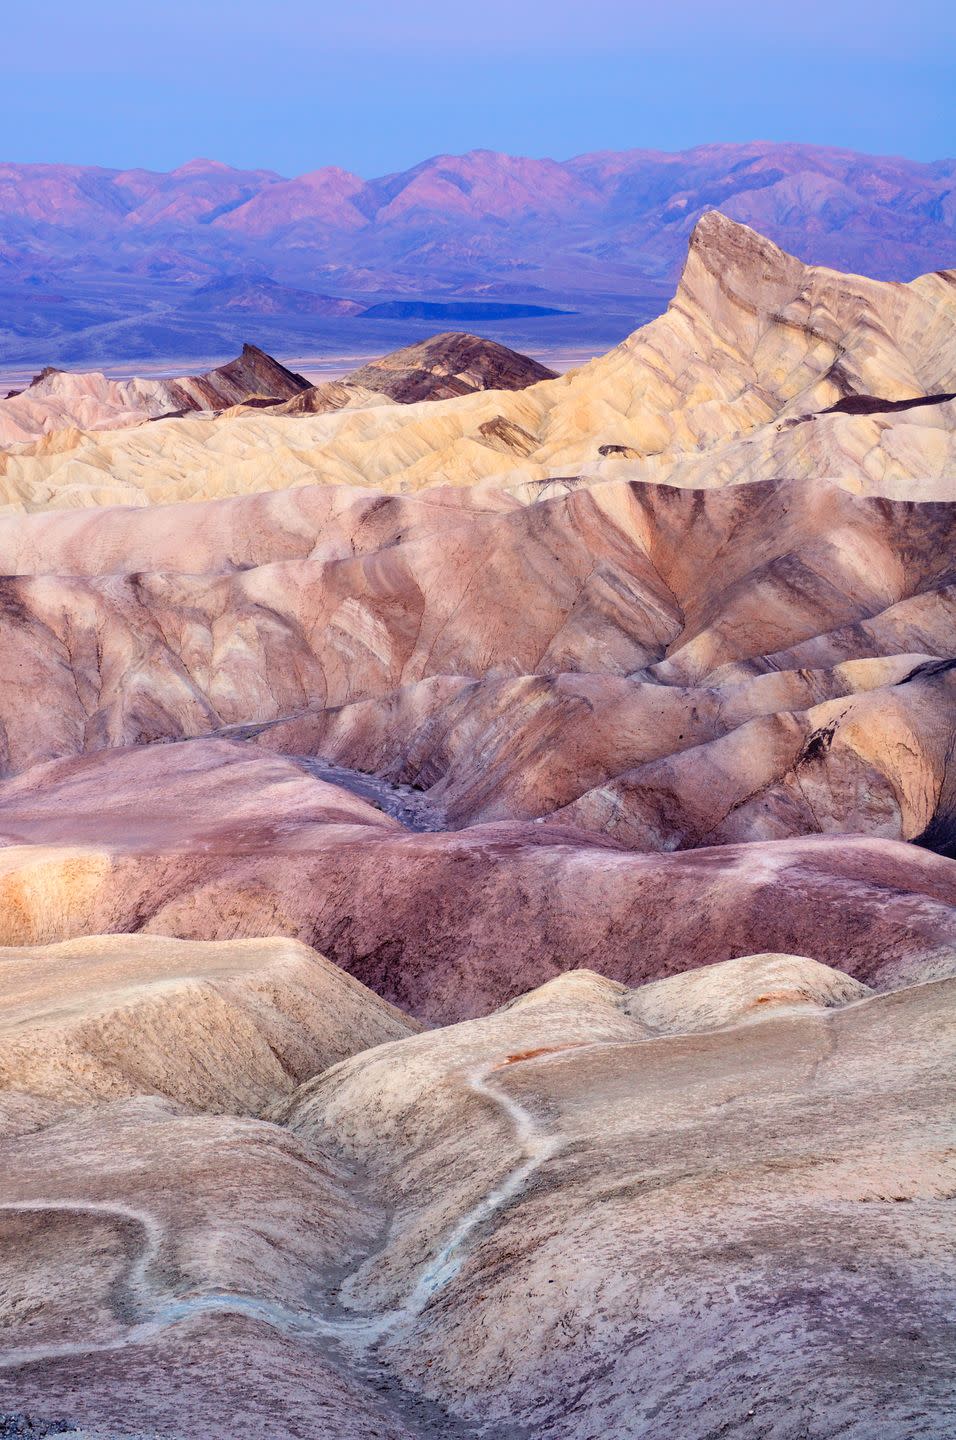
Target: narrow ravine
{"points": [[410, 807]]}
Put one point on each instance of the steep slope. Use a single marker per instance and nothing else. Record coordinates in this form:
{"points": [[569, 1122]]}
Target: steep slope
{"points": [[754, 338], [878, 764], [615, 579]]}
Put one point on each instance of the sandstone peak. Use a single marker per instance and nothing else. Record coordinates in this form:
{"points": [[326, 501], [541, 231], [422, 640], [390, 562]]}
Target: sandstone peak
{"points": [[58, 400], [720, 236], [737, 260]]}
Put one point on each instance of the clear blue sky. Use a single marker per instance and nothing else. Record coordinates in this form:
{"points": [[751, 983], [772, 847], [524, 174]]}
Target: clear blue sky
{"points": [[376, 85]]}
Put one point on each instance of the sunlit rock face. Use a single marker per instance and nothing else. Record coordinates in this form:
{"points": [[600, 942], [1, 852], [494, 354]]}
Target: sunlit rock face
{"points": [[477, 890]]}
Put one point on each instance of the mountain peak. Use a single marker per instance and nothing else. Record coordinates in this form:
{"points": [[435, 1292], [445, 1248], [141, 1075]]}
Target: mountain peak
{"points": [[453, 363], [724, 255], [720, 240], [200, 166]]}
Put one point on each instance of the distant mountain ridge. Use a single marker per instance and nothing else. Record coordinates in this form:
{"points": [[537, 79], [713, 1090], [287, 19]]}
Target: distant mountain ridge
{"points": [[121, 253], [831, 199]]}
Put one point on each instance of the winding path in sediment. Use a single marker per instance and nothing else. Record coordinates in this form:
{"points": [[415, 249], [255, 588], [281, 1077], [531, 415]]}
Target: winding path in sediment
{"points": [[359, 1332]]}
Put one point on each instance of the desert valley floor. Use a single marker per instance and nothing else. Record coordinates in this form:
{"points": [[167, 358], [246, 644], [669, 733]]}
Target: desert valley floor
{"points": [[478, 884]]}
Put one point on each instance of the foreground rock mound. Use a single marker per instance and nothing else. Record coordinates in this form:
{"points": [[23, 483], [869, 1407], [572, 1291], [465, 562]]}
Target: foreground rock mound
{"points": [[155, 1259], [519, 1222], [626, 1147]]}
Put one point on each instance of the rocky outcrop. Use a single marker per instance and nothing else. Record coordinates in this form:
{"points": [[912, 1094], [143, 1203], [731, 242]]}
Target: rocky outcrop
{"points": [[59, 399], [747, 376], [448, 365], [252, 374]]}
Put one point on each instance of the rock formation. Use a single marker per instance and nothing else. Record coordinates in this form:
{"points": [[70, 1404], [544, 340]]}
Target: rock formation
{"points": [[452, 364], [60, 400], [762, 367], [449, 365], [604, 729]]}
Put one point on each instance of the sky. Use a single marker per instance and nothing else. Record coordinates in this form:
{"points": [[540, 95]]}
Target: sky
{"points": [[375, 86]]}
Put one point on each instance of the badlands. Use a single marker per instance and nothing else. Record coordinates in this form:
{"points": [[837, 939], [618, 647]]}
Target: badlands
{"points": [[478, 884]]}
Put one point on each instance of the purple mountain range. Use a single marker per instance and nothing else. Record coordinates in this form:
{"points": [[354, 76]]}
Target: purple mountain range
{"points": [[107, 263]]}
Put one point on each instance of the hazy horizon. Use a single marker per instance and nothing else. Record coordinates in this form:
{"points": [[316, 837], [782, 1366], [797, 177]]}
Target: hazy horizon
{"points": [[375, 91], [555, 157]]}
